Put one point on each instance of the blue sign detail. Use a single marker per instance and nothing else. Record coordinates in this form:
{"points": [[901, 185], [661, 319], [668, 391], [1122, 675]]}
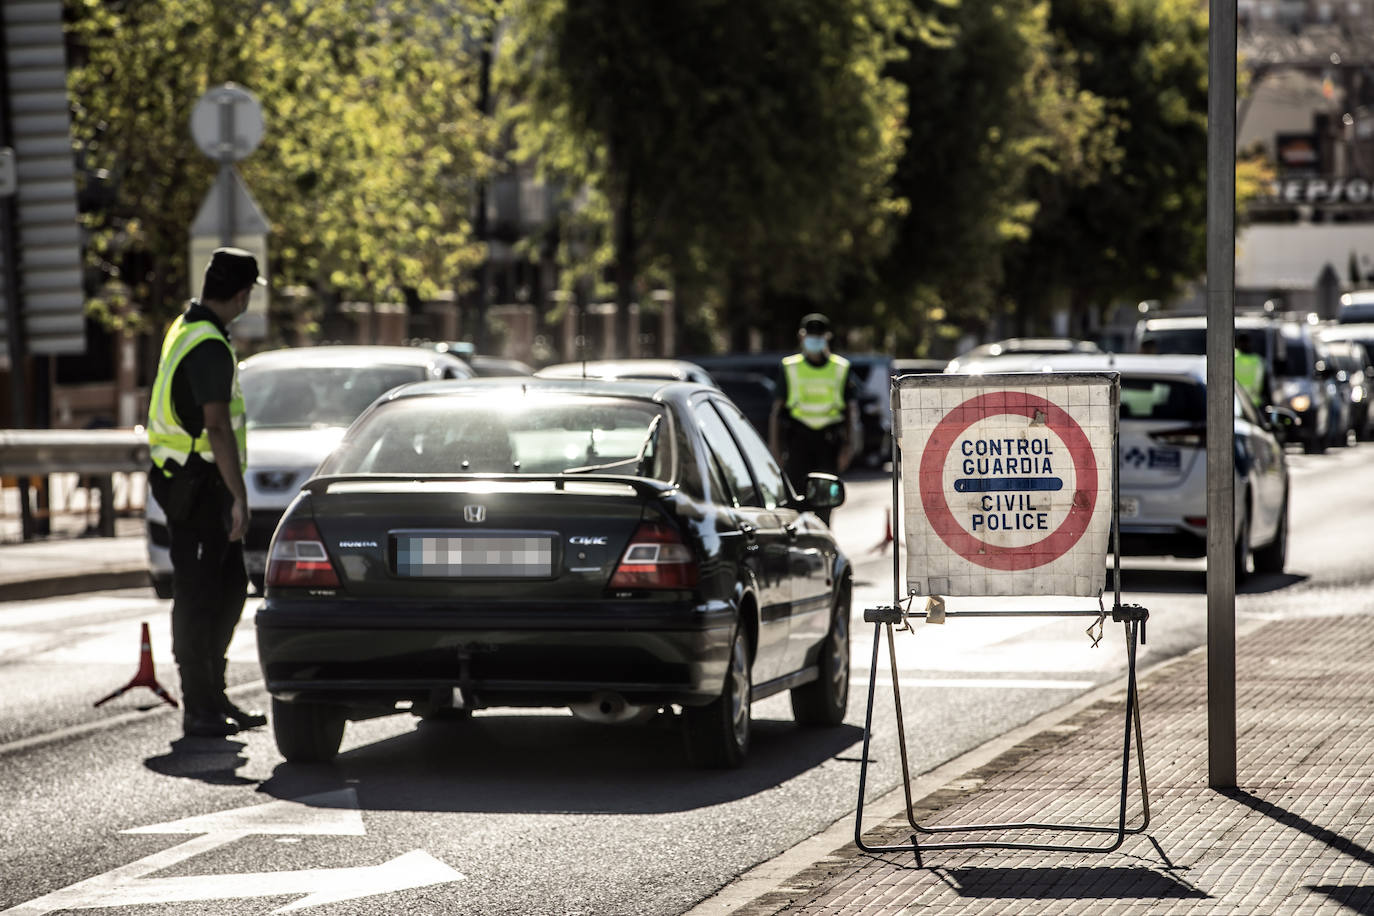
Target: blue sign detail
{"points": [[1013, 484], [1168, 459], [1135, 457]]}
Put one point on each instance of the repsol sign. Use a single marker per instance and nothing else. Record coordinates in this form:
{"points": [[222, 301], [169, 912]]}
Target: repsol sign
{"points": [[1322, 191]]}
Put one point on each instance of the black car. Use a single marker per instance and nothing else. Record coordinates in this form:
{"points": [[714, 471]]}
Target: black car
{"points": [[618, 547]]}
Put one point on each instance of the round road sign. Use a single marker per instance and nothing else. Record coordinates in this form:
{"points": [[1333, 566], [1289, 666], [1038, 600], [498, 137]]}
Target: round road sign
{"points": [[227, 123], [936, 504]]}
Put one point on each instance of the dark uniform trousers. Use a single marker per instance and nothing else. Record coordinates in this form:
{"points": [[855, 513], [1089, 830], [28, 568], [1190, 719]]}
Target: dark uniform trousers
{"points": [[806, 450], [210, 586]]}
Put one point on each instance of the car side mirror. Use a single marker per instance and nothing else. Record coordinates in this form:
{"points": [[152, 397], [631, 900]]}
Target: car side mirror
{"points": [[1281, 416], [824, 491]]}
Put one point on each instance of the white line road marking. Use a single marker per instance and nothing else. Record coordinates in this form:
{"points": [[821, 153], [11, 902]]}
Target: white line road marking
{"points": [[326, 814], [972, 683]]}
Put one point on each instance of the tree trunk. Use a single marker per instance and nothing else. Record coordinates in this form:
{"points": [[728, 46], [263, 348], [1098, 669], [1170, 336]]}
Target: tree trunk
{"points": [[626, 268]]}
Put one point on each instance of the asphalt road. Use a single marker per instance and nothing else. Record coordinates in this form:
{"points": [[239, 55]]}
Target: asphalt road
{"points": [[538, 813]]}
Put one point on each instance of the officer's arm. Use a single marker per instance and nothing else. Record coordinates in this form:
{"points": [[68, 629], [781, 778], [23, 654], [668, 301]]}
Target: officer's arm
{"points": [[220, 431]]}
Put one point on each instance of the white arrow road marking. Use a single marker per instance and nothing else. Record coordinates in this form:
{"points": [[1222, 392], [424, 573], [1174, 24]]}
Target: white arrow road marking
{"points": [[326, 814]]}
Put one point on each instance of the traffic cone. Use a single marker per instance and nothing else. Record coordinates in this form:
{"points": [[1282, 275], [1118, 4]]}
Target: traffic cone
{"points": [[145, 676], [881, 546]]}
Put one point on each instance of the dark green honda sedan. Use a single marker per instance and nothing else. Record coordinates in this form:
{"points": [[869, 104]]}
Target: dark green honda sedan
{"points": [[624, 548]]}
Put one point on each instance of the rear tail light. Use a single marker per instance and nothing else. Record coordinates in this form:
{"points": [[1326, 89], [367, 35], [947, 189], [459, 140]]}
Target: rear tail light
{"points": [[656, 557], [298, 558], [1197, 521], [1187, 436]]}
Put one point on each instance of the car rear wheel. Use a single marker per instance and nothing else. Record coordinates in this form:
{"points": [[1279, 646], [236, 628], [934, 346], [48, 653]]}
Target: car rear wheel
{"points": [[717, 734], [823, 701], [307, 732], [1272, 557], [162, 586], [1243, 546]]}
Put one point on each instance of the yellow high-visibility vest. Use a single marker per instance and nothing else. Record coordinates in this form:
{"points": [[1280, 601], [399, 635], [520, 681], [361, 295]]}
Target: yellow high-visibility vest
{"points": [[815, 394], [167, 438], [1250, 375]]}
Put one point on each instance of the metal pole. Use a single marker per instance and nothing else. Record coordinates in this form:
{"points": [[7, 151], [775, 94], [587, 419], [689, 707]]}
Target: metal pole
{"points": [[227, 217], [1221, 375], [14, 317]]}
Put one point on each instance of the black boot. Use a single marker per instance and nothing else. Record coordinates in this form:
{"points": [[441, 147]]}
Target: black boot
{"points": [[244, 718], [206, 724]]}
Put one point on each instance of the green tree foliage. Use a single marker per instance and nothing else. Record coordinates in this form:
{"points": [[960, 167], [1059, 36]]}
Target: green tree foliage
{"points": [[747, 144], [985, 108], [372, 140], [1139, 230]]}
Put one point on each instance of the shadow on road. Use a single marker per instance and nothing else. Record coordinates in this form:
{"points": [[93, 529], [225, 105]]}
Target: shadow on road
{"points": [[210, 760], [554, 764], [1194, 581]]}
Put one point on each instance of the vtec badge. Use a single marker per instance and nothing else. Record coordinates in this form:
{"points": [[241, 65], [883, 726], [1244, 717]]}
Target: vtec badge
{"points": [[582, 541]]}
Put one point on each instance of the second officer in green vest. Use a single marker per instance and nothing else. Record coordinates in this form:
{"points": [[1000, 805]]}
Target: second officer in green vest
{"points": [[815, 414], [197, 440]]}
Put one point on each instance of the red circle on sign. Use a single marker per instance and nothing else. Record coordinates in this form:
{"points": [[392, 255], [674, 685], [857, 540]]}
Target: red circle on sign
{"points": [[932, 481]]}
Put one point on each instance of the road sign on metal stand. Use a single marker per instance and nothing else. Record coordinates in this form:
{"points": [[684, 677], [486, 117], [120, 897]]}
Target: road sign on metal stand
{"points": [[227, 125], [1009, 487]]}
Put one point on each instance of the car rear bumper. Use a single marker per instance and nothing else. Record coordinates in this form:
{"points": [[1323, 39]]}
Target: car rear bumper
{"points": [[1162, 541], [371, 658]]}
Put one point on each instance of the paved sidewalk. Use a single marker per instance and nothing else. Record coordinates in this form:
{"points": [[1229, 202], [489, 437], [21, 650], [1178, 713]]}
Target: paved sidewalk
{"points": [[1295, 838], [70, 565]]}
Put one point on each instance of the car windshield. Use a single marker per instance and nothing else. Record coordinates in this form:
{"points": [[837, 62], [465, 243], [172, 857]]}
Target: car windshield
{"points": [[1191, 341], [532, 435], [1293, 359], [315, 397], [1162, 399]]}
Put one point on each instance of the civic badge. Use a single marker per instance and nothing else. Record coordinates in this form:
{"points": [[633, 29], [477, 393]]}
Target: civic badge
{"points": [[475, 514]]}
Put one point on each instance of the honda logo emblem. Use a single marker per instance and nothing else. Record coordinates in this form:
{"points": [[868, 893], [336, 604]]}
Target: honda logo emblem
{"points": [[475, 514]]}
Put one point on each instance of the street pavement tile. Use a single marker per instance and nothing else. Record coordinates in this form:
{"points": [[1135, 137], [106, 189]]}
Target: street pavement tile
{"points": [[1295, 838]]}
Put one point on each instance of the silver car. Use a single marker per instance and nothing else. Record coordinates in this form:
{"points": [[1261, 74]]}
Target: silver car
{"points": [[1163, 461], [299, 403]]}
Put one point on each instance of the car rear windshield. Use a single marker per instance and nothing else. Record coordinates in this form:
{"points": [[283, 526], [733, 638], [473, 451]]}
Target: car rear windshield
{"points": [[313, 397], [1163, 399], [503, 434], [1191, 341]]}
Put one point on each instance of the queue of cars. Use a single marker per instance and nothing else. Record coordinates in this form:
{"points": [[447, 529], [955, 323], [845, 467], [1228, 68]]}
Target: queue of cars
{"points": [[614, 536]]}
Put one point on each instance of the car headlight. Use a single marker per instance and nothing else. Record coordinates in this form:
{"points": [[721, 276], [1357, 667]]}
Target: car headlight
{"points": [[1300, 402]]}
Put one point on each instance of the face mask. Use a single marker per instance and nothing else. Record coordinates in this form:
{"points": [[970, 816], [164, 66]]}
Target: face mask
{"points": [[812, 345]]}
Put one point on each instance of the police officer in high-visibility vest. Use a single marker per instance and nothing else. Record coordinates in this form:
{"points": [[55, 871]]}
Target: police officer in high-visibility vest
{"points": [[196, 436], [815, 414], [1251, 374]]}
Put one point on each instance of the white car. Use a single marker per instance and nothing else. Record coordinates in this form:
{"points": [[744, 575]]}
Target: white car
{"points": [[299, 403], [1163, 458], [679, 370]]}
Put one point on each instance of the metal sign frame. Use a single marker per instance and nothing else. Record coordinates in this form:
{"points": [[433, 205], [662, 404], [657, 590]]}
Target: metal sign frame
{"points": [[1132, 617]]}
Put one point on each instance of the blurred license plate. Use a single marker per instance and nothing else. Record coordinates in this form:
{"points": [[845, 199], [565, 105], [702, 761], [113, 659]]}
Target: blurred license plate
{"points": [[1129, 507], [468, 556]]}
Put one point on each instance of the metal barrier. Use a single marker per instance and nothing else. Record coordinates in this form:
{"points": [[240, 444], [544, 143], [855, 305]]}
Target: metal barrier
{"points": [[43, 453]]}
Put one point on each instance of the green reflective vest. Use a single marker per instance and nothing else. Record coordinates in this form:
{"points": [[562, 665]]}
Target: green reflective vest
{"points": [[167, 438], [815, 394], [1250, 375]]}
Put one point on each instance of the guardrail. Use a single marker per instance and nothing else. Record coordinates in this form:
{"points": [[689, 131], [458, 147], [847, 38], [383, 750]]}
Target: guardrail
{"points": [[42, 453]]}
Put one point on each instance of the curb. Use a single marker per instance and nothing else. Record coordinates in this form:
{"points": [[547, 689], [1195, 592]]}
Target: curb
{"points": [[781, 873], [73, 584]]}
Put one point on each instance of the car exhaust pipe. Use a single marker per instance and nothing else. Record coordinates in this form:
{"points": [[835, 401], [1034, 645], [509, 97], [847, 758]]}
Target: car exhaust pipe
{"points": [[609, 708]]}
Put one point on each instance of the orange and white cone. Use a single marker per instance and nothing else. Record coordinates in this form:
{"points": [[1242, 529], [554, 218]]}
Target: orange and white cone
{"points": [[146, 677], [881, 546]]}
